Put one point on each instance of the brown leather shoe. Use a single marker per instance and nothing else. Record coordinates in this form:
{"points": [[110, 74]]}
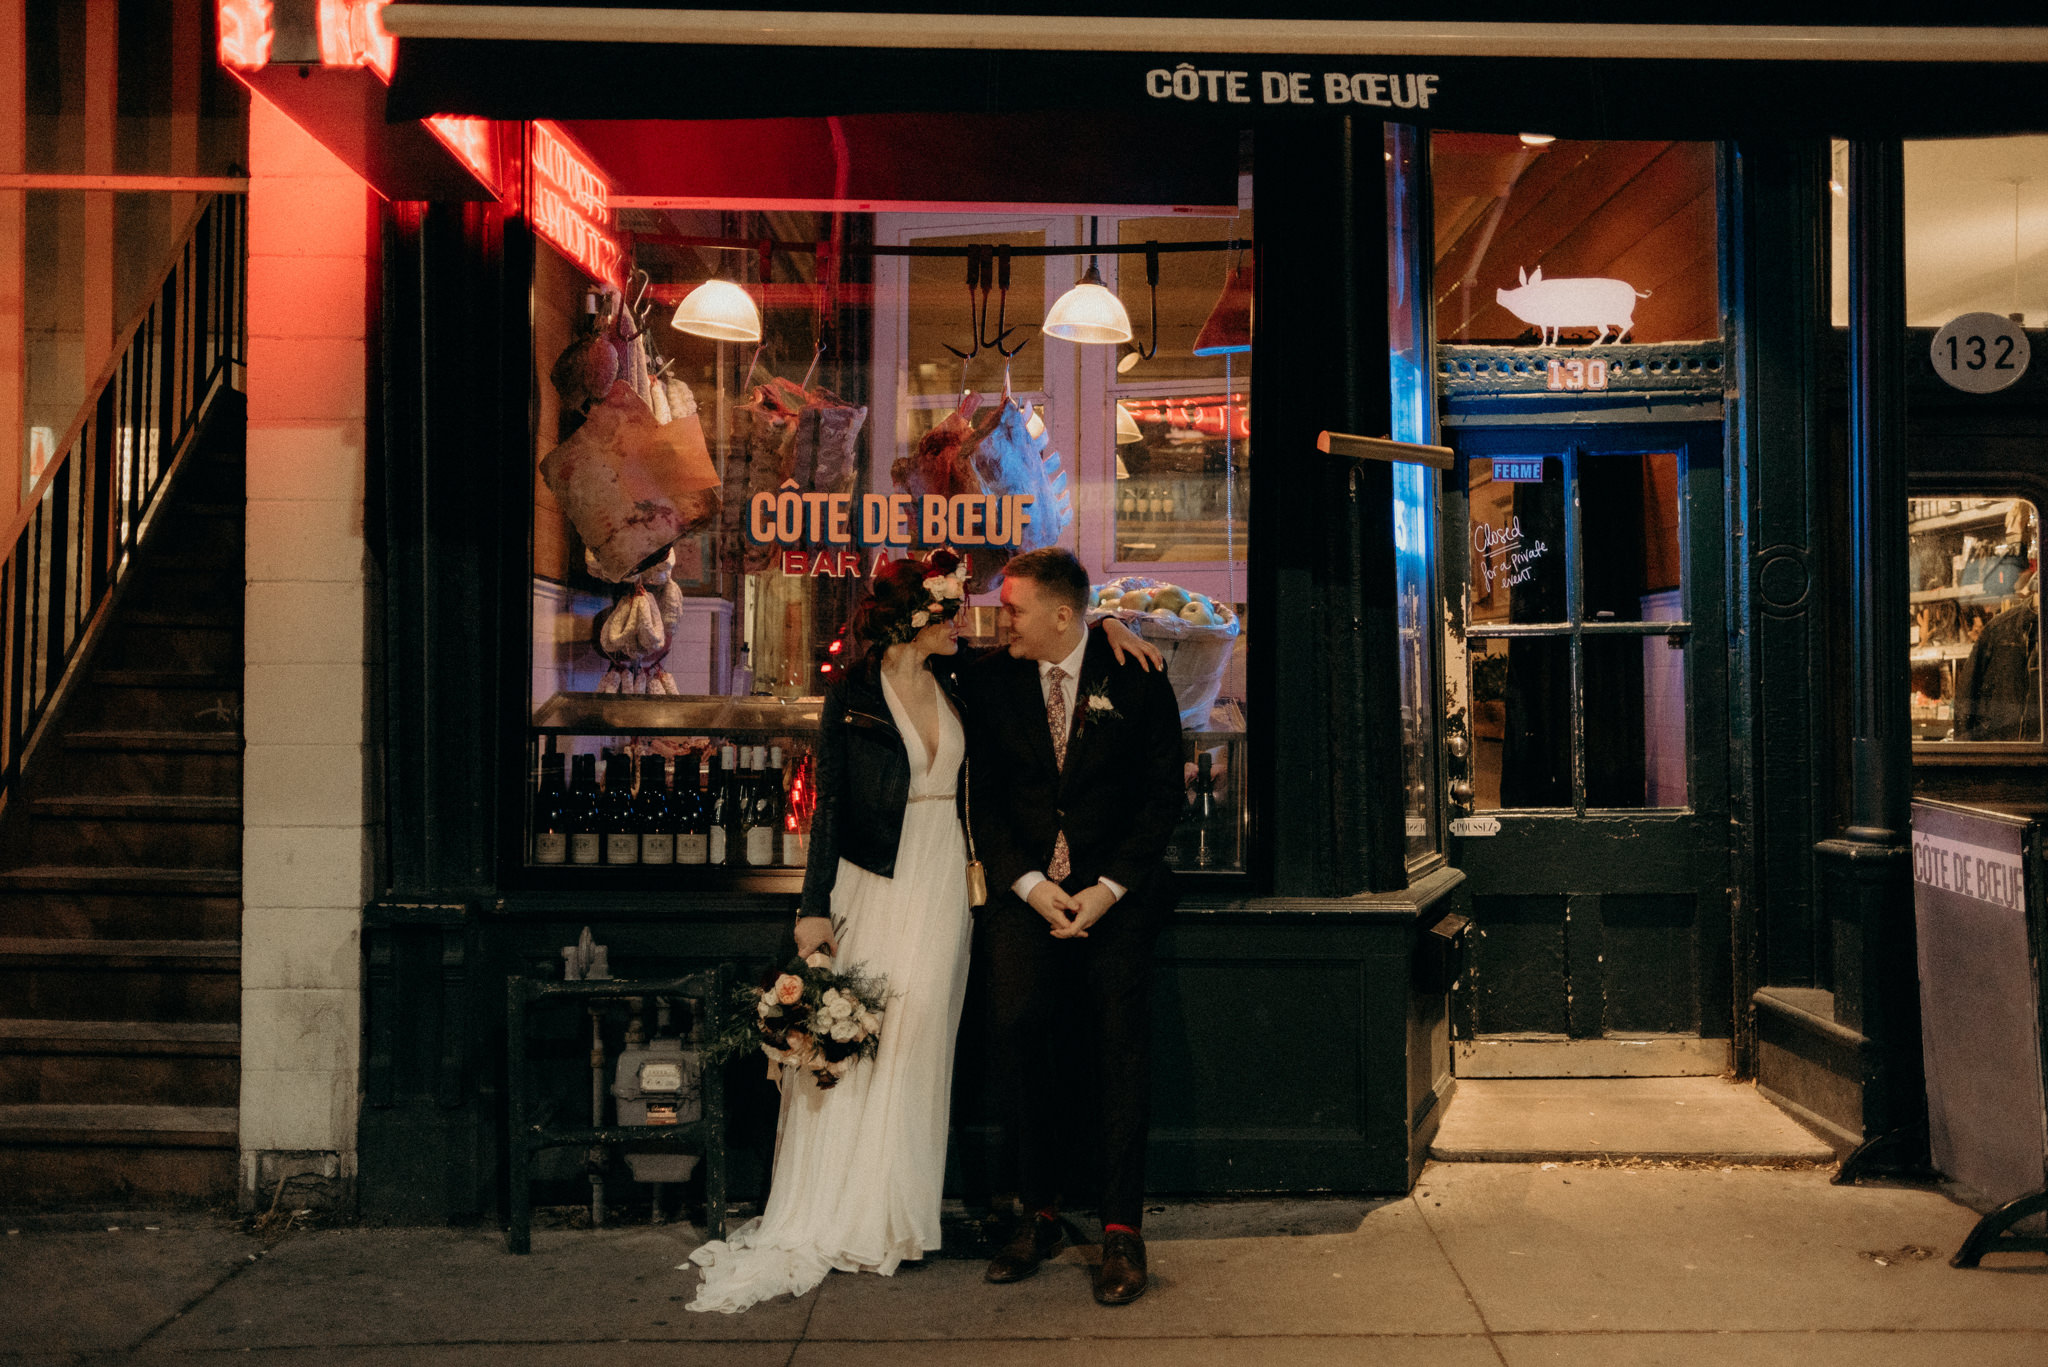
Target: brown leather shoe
{"points": [[1121, 1278], [1036, 1239]]}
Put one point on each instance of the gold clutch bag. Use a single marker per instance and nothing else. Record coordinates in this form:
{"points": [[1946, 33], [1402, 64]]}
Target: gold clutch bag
{"points": [[977, 877]]}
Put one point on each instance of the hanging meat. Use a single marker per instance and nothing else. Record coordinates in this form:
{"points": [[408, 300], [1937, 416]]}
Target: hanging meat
{"points": [[632, 486], [998, 456], [786, 432]]}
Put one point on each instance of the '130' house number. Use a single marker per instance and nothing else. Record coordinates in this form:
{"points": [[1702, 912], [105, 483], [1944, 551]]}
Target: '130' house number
{"points": [[1577, 374]]}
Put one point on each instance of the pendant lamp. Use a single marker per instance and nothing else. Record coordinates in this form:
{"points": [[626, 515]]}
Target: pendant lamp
{"points": [[1229, 327], [720, 310], [1126, 426], [1089, 313]]}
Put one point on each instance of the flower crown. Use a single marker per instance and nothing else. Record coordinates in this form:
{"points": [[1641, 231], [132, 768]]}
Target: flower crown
{"points": [[945, 589]]}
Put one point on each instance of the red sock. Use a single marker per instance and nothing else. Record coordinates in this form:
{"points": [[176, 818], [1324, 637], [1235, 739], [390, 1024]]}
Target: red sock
{"points": [[1118, 1229]]}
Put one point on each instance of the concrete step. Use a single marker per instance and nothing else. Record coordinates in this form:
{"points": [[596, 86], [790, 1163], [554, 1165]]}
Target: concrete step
{"points": [[140, 1062], [45, 978], [85, 914], [173, 1127], [67, 878], [1529, 1120], [160, 742], [139, 807]]}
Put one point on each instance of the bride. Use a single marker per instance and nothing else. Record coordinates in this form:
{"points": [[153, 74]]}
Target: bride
{"points": [[859, 1167]]}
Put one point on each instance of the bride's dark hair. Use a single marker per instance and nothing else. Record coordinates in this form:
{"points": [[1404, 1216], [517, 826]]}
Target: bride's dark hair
{"points": [[882, 618]]}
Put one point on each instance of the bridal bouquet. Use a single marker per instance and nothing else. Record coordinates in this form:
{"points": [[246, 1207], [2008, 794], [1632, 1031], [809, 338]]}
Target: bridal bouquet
{"points": [[808, 1016]]}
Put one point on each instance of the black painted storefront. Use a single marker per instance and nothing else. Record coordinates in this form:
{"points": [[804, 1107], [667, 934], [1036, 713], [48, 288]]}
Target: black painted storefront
{"points": [[1801, 938]]}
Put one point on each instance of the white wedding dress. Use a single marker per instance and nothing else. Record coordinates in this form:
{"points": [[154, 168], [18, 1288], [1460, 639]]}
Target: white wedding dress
{"points": [[858, 1168]]}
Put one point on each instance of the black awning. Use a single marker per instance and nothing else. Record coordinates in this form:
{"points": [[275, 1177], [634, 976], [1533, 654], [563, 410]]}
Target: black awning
{"points": [[1567, 97]]}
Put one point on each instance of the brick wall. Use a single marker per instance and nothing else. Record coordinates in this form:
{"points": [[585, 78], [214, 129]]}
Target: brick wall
{"points": [[305, 862]]}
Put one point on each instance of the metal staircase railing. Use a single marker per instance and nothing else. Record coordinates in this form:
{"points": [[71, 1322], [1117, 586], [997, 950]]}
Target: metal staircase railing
{"points": [[75, 537]]}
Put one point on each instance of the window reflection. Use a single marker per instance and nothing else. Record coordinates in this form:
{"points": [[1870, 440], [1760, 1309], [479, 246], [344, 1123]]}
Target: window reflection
{"points": [[1522, 722]]}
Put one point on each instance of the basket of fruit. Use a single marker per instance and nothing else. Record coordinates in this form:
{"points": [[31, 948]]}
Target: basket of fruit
{"points": [[1195, 632]]}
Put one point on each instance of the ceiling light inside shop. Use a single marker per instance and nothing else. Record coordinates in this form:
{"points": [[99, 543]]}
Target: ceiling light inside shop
{"points": [[720, 310], [1088, 313], [1126, 426], [1128, 362], [1537, 139]]}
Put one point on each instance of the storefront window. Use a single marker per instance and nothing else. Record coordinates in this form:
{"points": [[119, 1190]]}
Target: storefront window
{"points": [[1974, 637], [1976, 213], [1556, 242], [1412, 376], [677, 683], [1577, 631]]}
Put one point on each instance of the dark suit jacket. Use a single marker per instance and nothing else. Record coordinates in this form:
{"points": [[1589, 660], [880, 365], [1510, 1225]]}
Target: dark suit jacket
{"points": [[1118, 798]]}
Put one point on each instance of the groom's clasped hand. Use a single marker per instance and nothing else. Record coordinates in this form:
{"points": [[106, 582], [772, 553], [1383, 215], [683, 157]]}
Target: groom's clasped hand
{"points": [[1070, 914]]}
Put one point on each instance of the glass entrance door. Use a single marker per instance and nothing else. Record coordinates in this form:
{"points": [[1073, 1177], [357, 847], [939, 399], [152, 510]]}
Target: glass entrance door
{"points": [[1586, 744]]}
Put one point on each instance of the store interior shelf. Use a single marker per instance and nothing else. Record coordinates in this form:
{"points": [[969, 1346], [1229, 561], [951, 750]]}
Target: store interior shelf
{"points": [[1992, 512], [1966, 594], [580, 714]]}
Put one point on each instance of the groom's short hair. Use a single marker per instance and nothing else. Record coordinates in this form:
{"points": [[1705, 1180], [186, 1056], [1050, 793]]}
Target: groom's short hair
{"points": [[1057, 573]]}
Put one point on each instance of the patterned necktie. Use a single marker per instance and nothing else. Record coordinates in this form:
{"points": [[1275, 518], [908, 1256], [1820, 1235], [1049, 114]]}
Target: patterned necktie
{"points": [[1056, 722]]}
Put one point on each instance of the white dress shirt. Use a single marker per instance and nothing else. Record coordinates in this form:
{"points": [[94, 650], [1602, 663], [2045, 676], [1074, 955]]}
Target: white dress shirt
{"points": [[1070, 688]]}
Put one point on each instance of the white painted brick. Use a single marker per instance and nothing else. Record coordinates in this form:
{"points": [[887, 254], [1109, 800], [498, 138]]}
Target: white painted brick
{"points": [[300, 540], [309, 216], [294, 704], [303, 785], [306, 460], [301, 947], [304, 866], [293, 1109], [303, 623], [298, 295], [300, 1030], [306, 379]]}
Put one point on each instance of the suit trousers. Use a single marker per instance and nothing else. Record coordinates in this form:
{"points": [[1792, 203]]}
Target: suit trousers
{"points": [[1058, 1006]]}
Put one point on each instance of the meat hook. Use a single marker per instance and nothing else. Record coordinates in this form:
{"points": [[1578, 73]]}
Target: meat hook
{"points": [[977, 278], [1152, 282], [1003, 313]]}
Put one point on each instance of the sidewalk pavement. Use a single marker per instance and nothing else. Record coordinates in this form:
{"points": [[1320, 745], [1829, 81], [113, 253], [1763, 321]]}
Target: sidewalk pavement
{"points": [[1511, 1264]]}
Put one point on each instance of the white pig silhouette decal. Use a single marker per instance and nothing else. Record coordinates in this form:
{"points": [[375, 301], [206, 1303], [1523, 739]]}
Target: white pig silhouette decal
{"points": [[1589, 302]]}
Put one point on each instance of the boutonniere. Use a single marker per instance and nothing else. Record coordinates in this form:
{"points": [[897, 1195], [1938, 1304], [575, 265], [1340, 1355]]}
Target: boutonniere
{"points": [[1096, 706]]}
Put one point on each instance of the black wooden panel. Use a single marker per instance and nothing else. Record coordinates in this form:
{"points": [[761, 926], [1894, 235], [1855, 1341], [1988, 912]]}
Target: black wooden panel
{"points": [[1518, 968], [1651, 969], [1261, 1071]]}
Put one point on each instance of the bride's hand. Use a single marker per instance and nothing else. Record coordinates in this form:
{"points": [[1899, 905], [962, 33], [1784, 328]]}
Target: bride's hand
{"points": [[1122, 641], [814, 933]]}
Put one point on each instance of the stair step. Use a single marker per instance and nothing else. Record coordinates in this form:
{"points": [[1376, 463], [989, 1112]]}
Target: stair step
{"points": [[200, 508], [182, 1127], [60, 878], [157, 956], [190, 742], [193, 560], [167, 678], [171, 617], [142, 807], [192, 1039]]}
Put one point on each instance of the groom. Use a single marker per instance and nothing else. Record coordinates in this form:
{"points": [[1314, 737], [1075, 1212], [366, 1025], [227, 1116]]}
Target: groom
{"points": [[1081, 783]]}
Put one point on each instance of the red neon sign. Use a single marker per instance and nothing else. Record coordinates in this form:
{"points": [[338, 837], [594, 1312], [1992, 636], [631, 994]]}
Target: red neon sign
{"points": [[352, 34], [475, 144], [569, 202], [245, 33]]}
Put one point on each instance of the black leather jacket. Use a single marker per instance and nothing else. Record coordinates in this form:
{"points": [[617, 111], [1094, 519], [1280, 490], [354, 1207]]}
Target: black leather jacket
{"points": [[863, 780]]}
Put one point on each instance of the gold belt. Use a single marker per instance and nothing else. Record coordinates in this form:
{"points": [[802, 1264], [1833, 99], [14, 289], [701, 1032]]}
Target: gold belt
{"points": [[936, 797]]}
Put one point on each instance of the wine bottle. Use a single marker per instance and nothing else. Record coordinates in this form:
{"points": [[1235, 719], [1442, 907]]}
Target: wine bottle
{"points": [[586, 843], [762, 825], [724, 804], [550, 813], [655, 812], [785, 841], [693, 813], [615, 811]]}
